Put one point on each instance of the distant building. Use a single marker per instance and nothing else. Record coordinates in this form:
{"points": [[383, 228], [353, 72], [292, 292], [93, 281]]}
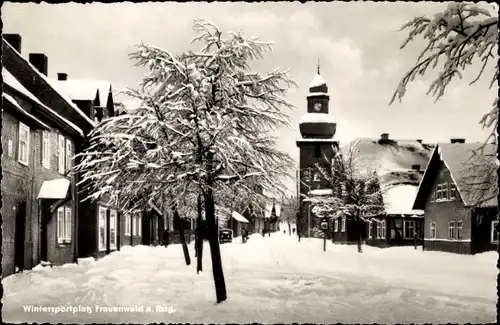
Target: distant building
{"points": [[317, 146], [459, 196]]}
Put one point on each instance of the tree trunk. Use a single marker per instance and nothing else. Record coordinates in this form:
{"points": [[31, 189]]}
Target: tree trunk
{"points": [[360, 248], [177, 221], [289, 228], [199, 236], [220, 284]]}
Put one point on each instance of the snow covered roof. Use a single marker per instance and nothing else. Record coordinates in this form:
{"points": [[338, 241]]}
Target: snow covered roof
{"points": [[21, 110], [85, 89], [474, 174], [269, 208], [131, 105], [238, 217], [399, 200], [323, 191], [10, 80], [392, 161], [50, 83], [317, 118], [330, 140], [56, 189], [317, 81], [317, 94]]}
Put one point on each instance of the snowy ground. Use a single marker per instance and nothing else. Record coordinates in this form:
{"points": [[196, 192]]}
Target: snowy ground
{"points": [[269, 280]]}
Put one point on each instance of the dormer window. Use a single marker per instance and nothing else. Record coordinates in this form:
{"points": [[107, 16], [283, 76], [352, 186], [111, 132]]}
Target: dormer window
{"points": [[453, 191]]}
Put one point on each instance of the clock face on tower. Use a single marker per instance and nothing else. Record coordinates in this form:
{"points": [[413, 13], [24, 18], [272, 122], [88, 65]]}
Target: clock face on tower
{"points": [[317, 107]]}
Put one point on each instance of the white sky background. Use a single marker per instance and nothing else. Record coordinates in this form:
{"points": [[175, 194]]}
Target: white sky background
{"points": [[357, 43]]}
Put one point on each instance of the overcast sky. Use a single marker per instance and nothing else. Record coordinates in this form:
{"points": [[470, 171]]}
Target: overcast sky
{"points": [[357, 44]]}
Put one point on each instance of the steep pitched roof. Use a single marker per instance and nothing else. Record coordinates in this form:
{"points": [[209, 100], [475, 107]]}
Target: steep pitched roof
{"points": [[21, 110], [49, 83], [11, 81], [473, 171], [392, 161], [85, 89]]}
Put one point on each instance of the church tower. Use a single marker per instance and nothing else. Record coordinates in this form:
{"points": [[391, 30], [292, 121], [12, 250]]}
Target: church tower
{"points": [[317, 146]]}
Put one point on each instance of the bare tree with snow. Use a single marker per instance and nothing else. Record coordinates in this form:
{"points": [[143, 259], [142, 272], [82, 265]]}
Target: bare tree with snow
{"points": [[203, 128], [460, 35], [354, 192]]}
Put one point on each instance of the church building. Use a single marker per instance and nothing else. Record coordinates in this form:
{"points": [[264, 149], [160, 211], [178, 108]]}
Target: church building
{"points": [[317, 146]]}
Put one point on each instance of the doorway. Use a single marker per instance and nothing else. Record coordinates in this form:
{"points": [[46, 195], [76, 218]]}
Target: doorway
{"points": [[19, 236]]}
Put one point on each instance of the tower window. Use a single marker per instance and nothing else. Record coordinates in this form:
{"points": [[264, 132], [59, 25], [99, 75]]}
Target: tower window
{"points": [[317, 151]]}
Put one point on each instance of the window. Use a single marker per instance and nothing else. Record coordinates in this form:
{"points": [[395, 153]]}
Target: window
{"points": [[460, 225], [137, 230], [382, 226], [370, 229], [24, 144], [316, 177], [128, 224], [494, 231], [432, 230], [409, 228], [102, 228], [68, 154], [113, 217], [342, 225], [336, 225], [61, 154], [442, 192], [453, 191], [9, 148], [64, 225], [451, 230]]}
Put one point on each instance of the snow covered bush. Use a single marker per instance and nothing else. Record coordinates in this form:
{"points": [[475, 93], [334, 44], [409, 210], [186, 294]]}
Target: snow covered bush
{"points": [[202, 129], [460, 35]]}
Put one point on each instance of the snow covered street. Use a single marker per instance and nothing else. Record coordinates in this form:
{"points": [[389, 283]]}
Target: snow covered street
{"points": [[269, 280]]}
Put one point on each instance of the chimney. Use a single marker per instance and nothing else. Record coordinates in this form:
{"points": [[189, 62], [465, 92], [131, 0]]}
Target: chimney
{"points": [[14, 40], [384, 136], [419, 141], [415, 167], [40, 61], [457, 140], [62, 76]]}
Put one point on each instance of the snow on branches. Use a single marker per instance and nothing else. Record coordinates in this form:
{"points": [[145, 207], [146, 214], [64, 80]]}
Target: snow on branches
{"points": [[460, 35], [203, 114], [355, 193]]}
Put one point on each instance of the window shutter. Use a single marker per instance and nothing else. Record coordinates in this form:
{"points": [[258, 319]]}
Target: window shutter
{"points": [[61, 164], [68, 154], [60, 224], [67, 224], [23, 143]]}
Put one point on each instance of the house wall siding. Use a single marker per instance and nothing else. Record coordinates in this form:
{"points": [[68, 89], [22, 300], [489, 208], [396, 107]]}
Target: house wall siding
{"points": [[443, 212], [15, 189], [23, 183]]}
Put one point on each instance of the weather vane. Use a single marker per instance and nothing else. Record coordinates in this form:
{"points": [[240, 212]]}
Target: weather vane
{"points": [[318, 65]]}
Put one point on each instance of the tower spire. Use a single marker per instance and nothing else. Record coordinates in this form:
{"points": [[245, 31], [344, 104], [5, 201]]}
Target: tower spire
{"points": [[318, 66]]}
